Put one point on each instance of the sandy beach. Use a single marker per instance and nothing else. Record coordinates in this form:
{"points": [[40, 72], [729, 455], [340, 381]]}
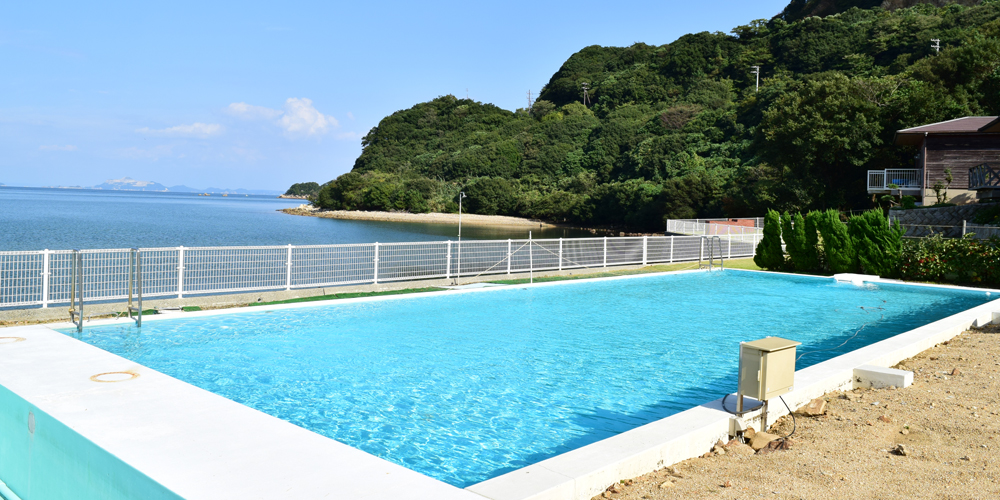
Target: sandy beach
{"points": [[947, 423], [433, 218]]}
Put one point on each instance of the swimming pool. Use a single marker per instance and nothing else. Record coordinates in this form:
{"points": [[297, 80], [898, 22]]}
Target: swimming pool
{"points": [[466, 386]]}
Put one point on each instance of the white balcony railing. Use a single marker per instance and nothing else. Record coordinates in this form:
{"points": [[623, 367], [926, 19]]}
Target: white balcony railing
{"points": [[894, 178]]}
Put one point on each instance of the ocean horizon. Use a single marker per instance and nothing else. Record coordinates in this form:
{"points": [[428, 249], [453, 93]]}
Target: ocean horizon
{"points": [[63, 219]]}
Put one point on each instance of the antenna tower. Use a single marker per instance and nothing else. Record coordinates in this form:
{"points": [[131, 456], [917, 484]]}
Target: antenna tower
{"points": [[530, 102], [586, 95]]}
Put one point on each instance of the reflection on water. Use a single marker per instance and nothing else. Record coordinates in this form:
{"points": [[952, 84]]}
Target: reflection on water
{"points": [[59, 219]]}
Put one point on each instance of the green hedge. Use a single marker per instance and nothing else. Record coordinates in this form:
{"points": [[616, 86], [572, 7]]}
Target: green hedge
{"points": [[964, 260]]}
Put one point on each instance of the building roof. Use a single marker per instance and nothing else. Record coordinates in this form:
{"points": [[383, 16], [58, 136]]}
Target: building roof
{"points": [[965, 125]]}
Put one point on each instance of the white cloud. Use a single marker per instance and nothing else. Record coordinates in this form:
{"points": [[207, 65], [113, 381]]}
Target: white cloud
{"points": [[57, 148], [193, 130], [298, 118], [251, 112], [350, 115], [301, 118]]}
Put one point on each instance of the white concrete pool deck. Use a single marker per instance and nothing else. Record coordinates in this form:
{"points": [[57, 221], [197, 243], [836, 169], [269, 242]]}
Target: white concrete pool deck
{"points": [[204, 446]]}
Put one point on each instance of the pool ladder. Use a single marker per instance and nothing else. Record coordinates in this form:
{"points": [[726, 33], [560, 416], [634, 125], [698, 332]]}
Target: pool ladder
{"points": [[135, 284], [713, 242], [134, 279]]}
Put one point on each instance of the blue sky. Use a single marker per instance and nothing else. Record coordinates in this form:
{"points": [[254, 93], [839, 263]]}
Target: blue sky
{"points": [[261, 95]]}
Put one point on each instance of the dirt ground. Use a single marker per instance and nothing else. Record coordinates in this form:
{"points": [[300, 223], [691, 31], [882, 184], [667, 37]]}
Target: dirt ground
{"points": [[948, 421]]}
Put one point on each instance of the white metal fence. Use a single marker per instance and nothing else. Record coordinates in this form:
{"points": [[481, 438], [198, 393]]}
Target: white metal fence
{"points": [[901, 178], [716, 227], [32, 278]]}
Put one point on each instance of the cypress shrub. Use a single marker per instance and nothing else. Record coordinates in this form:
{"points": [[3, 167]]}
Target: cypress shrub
{"points": [[768, 254], [837, 244], [878, 244], [810, 241], [794, 236]]}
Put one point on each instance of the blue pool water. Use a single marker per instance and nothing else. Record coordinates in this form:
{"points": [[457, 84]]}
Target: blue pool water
{"points": [[465, 387]]}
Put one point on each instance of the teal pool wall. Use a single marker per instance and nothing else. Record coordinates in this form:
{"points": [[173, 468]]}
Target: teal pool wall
{"points": [[56, 463]]}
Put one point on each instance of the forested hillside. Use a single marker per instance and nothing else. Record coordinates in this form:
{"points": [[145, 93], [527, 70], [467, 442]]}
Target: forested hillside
{"points": [[679, 130]]}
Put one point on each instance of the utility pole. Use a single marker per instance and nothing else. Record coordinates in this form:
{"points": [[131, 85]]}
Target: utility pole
{"points": [[936, 45], [529, 101], [586, 96], [756, 71]]}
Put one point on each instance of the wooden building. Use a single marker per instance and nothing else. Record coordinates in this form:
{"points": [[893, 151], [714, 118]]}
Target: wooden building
{"points": [[960, 145]]}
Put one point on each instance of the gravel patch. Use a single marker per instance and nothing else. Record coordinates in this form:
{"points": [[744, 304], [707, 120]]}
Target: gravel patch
{"points": [[935, 439]]}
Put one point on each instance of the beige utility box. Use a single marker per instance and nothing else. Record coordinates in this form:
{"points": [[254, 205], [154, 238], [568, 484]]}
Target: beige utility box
{"points": [[767, 367]]}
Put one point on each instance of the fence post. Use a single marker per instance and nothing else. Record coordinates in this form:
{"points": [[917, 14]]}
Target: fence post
{"points": [[447, 265], [605, 251], [180, 272], [509, 256], [963, 227], [375, 263], [671, 259], [560, 254], [730, 251], [701, 249], [288, 269], [45, 278], [644, 250]]}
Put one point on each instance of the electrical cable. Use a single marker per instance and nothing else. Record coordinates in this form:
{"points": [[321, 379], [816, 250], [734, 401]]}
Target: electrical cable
{"points": [[794, 425]]}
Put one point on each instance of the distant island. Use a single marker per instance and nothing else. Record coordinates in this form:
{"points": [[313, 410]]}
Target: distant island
{"points": [[130, 184]]}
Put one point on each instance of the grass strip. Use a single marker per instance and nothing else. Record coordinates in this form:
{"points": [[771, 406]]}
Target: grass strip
{"points": [[661, 268], [337, 296]]}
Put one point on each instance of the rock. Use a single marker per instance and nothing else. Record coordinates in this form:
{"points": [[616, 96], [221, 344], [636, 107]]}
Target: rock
{"points": [[777, 444], [904, 432], [719, 450], [870, 422], [707, 455], [955, 371], [815, 408], [666, 484], [966, 458], [741, 450], [733, 442], [719, 443], [615, 488], [902, 450], [761, 439], [749, 434], [885, 418], [727, 484]]}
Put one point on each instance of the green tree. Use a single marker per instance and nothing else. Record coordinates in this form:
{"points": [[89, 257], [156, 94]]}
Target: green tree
{"points": [[769, 254], [809, 259], [837, 244], [303, 189], [877, 242]]}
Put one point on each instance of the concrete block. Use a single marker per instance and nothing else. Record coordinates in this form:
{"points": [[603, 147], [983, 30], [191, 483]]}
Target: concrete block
{"points": [[878, 377]]}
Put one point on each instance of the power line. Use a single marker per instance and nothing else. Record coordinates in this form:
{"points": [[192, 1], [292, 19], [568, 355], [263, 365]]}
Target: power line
{"points": [[756, 71], [530, 102], [586, 96], [936, 45]]}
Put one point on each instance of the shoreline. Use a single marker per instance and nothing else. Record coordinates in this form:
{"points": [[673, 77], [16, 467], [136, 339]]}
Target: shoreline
{"points": [[428, 218]]}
